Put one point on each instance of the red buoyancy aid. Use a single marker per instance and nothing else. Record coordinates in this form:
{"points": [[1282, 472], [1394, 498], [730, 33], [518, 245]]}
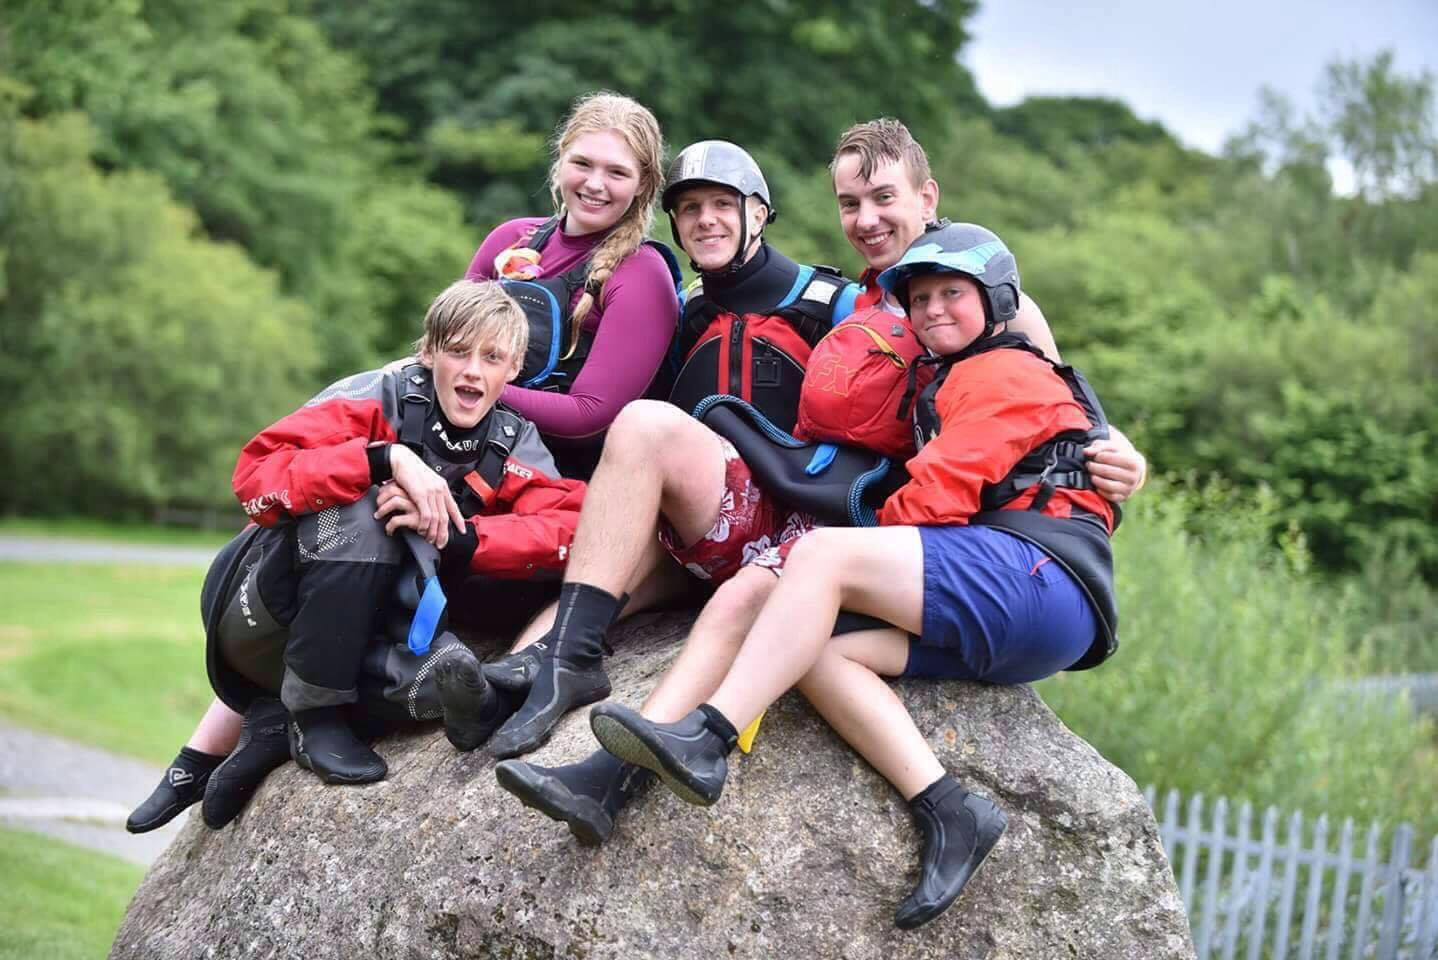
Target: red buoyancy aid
{"points": [[759, 358], [855, 390]]}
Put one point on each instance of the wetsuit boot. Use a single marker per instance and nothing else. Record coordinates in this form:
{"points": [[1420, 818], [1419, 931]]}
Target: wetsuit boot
{"points": [[473, 708], [264, 745], [690, 755], [321, 740], [515, 671], [959, 829], [587, 795], [183, 783], [570, 674]]}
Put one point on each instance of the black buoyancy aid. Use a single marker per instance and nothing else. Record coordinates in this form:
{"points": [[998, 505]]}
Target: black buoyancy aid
{"points": [[752, 338], [555, 353], [1079, 543], [418, 413]]}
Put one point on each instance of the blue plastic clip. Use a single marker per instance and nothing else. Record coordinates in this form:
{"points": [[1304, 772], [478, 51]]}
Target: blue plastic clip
{"points": [[426, 619], [823, 456]]}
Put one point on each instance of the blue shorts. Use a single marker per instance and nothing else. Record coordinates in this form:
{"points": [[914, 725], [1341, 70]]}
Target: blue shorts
{"points": [[996, 609]]}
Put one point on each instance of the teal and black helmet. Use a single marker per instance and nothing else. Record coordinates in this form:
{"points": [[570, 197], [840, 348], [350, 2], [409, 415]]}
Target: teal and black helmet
{"points": [[716, 163], [964, 248]]}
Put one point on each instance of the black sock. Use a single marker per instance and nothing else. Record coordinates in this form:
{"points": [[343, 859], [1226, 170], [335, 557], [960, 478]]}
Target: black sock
{"points": [[719, 725], [196, 762], [934, 793], [585, 613]]}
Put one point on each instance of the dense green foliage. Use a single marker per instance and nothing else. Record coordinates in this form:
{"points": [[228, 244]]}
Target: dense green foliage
{"points": [[60, 902], [209, 210], [1229, 680], [266, 192]]}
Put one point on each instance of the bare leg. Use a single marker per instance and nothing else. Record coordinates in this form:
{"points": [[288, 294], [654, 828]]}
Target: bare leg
{"points": [[218, 730], [847, 688], [712, 644], [656, 460], [878, 571]]}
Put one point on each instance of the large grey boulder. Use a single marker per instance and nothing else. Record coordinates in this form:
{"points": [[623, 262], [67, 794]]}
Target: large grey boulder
{"points": [[806, 855]]}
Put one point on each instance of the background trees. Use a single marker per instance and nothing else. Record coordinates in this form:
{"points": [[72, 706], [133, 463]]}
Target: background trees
{"points": [[270, 191], [207, 211]]}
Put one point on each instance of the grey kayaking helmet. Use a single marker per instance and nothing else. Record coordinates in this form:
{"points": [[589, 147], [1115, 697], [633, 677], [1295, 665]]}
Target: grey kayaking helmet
{"points": [[967, 249], [717, 163]]}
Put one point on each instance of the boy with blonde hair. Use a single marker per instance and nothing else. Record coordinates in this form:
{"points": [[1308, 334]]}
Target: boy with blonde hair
{"points": [[294, 604]]}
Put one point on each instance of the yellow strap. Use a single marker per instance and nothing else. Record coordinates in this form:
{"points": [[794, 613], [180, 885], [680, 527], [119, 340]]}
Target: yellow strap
{"points": [[879, 341], [746, 739]]}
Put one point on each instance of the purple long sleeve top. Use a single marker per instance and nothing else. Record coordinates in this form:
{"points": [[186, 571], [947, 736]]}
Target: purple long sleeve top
{"points": [[633, 323]]}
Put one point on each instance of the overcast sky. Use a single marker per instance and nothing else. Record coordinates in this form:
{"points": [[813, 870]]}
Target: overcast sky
{"points": [[1195, 68]]}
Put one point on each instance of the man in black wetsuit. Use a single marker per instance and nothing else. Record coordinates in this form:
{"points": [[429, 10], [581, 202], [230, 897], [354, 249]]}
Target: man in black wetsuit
{"points": [[667, 483]]}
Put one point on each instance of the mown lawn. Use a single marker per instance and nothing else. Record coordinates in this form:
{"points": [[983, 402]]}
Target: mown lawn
{"points": [[59, 902], [79, 528], [112, 656]]}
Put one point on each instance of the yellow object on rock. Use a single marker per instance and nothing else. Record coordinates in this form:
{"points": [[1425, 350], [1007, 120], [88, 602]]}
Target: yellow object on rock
{"points": [[746, 739]]}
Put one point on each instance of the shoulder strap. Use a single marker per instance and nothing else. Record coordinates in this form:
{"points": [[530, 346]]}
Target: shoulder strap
{"points": [[675, 274], [812, 303], [542, 233], [416, 393], [505, 427]]}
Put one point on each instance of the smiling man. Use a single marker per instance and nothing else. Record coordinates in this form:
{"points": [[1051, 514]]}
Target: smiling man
{"points": [[887, 199]]}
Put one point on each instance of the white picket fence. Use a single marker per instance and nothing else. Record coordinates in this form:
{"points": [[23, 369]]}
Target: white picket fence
{"points": [[1263, 895]]}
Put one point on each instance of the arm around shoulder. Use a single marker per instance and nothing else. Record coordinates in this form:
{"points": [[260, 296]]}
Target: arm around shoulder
{"points": [[1031, 323]]}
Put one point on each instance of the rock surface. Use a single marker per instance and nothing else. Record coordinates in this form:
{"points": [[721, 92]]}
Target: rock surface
{"points": [[806, 855]]}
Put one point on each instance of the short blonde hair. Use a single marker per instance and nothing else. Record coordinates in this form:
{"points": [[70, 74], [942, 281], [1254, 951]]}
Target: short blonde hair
{"points": [[469, 312], [881, 141], [639, 130]]}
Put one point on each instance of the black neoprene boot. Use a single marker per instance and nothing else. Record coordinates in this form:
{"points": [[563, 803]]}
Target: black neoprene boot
{"points": [[321, 740], [515, 672], [570, 673], [690, 756], [587, 795], [473, 708], [183, 783], [264, 745], [959, 829]]}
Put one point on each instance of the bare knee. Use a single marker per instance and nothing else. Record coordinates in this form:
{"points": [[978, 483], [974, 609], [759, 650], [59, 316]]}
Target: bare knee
{"points": [[739, 599], [645, 427], [817, 553]]}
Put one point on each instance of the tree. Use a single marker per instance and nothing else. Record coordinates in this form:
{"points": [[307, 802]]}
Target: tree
{"points": [[268, 133], [479, 90], [137, 354]]}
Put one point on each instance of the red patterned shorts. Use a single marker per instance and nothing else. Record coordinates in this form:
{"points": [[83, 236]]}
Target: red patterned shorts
{"points": [[751, 530]]}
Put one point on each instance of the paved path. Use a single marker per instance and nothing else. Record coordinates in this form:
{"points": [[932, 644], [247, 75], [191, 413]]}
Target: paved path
{"points": [[63, 550], [64, 789], [78, 793]]}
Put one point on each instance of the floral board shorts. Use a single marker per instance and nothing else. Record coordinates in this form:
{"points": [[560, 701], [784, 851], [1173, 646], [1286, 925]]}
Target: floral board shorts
{"points": [[752, 528]]}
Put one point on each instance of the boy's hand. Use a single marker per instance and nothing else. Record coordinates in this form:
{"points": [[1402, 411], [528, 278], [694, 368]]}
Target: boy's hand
{"points": [[418, 499], [1117, 469]]}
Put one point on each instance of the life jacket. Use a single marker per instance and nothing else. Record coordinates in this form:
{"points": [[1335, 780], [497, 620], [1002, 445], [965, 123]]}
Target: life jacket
{"points": [[759, 358], [555, 354], [1078, 543], [244, 638], [857, 389]]}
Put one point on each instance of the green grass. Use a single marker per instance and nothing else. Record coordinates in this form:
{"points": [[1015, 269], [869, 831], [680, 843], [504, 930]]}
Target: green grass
{"points": [[79, 528], [60, 902], [107, 655]]}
